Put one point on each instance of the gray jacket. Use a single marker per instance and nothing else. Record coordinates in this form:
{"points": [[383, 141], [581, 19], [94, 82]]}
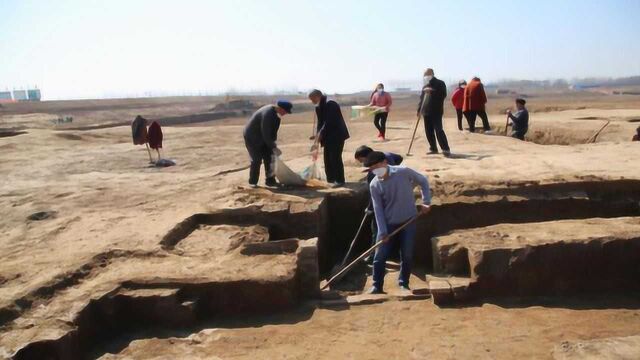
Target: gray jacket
{"points": [[262, 128]]}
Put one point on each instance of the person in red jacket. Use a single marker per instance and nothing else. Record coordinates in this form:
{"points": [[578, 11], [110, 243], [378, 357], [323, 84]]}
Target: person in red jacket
{"points": [[474, 104], [457, 99]]}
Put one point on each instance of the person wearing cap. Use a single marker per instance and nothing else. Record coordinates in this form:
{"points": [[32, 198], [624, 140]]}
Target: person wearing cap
{"points": [[431, 106], [475, 100], [457, 99], [361, 156], [260, 135], [331, 133], [519, 120], [394, 204]]}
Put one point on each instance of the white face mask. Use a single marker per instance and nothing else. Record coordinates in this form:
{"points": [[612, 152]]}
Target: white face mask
{"points": [[379, 172], [380, 91]]}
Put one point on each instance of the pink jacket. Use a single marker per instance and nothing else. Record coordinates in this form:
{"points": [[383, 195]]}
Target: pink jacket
{"points": [[382, 101]]}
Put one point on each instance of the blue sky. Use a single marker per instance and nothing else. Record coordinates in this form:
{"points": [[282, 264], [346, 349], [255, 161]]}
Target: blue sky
{"points": [[85, 48]]}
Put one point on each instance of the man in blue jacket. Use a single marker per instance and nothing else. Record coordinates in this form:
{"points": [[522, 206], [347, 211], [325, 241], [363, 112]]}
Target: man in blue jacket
{"points": [[260, 135], [394, 204], [331, 132]]}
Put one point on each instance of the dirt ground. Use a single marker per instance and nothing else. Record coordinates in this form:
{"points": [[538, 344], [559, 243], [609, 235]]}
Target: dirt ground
{"points": [[101, 194]]}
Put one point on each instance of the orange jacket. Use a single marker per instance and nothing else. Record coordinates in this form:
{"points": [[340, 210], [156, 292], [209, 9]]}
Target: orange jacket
{"points": [[474, 96]]}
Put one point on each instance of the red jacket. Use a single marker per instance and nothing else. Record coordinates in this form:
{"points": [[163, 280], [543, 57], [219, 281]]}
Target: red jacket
{"points": [[457, 99], [474, 96]]}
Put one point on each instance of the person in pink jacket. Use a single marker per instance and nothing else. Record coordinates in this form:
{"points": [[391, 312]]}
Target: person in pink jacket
{"points": [[382, 99]]}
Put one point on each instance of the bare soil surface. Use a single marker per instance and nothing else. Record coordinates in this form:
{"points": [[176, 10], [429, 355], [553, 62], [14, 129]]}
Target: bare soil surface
{"points": [[106, 213]]}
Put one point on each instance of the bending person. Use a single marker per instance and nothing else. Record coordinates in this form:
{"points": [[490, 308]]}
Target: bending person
{"points": [[260, 135]]}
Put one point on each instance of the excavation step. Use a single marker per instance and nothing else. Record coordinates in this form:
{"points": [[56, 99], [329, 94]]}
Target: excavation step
{"points": [[368, 299], [555, 257], [448, 290]]}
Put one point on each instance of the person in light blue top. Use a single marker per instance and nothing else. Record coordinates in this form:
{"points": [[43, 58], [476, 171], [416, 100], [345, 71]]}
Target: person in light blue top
{"points": [[394, 204]]}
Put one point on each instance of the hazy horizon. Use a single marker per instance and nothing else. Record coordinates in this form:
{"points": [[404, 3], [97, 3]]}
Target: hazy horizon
{"points": [[90, 49]]}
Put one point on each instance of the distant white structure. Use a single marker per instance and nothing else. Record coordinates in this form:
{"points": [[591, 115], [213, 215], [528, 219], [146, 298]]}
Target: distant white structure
{"points": [[20, 95]]}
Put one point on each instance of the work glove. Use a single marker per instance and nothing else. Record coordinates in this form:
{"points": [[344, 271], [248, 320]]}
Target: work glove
{"points": [[277, 152]]}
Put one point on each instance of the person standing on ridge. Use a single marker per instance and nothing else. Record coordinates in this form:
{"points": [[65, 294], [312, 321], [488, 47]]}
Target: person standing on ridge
{"points": [[331, 133], [260, 135], [431, 106], [457, 99], [475, 100], [382, 99]]}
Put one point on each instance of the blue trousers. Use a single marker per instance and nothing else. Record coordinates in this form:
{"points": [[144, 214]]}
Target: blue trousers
{"points": [[404, 240]]}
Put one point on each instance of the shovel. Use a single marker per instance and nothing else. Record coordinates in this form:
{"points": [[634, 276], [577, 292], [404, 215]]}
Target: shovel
{"points": [[346, 269]]}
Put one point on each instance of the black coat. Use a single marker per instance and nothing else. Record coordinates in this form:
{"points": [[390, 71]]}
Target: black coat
{"points": [[434, 101], [262, 128], [331, 126]]}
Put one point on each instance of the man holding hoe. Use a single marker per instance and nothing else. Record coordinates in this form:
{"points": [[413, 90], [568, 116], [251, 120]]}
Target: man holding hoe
{"points": [[394, 207]]}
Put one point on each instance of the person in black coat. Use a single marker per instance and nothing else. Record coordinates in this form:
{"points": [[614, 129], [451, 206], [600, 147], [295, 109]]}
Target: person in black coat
{"points": [[260, 135], [431, 107], [331, 132]]}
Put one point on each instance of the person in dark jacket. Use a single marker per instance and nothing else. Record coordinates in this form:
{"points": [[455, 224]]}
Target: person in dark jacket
{"points": [[332, 132], [431, 107], [636, 137], [260, 135], [392, 159], [520, 120]]}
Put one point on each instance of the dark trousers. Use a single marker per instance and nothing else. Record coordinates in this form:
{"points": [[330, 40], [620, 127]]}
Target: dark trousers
{"points": [[518, 134], [380, 122], [405, 240], [259, 154], [459, 114], [333, 162], [471, 118], [433, 130]]}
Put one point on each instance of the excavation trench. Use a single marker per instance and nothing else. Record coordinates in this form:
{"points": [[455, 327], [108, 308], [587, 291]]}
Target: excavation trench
{"points": [[156, 307]]}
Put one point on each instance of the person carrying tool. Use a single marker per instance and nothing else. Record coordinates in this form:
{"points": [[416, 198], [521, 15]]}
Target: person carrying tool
{"points": [[260, 135], [331, 134], [381, 99], [519, 120], [457, 99], [392, 159], [431, 106], [394, 205], [475, 100]]}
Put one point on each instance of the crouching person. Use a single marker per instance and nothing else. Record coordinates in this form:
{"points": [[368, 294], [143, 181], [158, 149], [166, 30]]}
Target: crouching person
{"points": [[394, 204], [520, 120]]}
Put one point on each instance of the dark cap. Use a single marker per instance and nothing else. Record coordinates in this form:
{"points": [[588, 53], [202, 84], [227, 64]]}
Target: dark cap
{"points": [[521, 101], [375, 157], [286, 105], [363, 151]]}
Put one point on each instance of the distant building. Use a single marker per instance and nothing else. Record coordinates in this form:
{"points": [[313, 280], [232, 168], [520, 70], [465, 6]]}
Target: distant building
{"points": [[20, 95], [5, 96], [34, 94]]}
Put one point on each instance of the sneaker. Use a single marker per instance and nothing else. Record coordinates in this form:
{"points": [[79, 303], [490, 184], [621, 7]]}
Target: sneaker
{"points": [[432, 152], [253, 186], [337, 185], [446, 153], [488, 132], [405, 288], [271, 183], [374, 290]]}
